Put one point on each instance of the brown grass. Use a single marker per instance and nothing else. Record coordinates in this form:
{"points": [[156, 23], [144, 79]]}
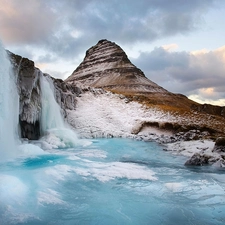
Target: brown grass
{"points": [[180, 107]]}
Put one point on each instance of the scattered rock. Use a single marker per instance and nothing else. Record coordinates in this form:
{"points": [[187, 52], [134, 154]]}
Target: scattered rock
{"points": [[219, 145], [198, 160], [219, 163]]}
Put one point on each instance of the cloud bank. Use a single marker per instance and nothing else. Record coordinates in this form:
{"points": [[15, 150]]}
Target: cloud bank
{"points": [[191, 73], [52, 31], [67, 27]]}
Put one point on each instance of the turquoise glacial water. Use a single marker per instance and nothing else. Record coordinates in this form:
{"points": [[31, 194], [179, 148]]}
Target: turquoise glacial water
{"points": [[111, 181]]}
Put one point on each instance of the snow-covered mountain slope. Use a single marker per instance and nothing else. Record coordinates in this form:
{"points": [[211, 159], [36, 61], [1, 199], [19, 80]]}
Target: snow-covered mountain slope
{"points": [[110, 115], [101, 113]]}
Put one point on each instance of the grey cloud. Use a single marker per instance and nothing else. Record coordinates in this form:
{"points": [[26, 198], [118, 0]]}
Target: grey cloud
{"points": [[160, 59], [66, 29], [184, 72], [48, 58], [128, 22], [23, 23], [51, 23]]}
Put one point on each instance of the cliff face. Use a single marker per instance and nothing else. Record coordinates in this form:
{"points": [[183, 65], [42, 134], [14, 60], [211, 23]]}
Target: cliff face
{"points": [[29, 90], [28, 83]]}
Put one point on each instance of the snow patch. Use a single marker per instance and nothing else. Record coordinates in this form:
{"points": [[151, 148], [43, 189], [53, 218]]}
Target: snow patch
{"points": [[188, 148], [109, 115]]}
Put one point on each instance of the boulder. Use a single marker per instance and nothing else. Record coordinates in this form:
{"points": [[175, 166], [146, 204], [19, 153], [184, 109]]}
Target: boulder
{"points": [[219, 145], [198, 160]]}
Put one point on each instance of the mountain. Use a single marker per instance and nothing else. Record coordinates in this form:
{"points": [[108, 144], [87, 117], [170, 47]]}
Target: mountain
{"points": [[107, 69], [107, 66]]}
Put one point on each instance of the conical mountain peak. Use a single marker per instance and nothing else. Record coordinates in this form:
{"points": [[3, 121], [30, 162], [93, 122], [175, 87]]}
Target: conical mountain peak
{"points": [[107, 66]]}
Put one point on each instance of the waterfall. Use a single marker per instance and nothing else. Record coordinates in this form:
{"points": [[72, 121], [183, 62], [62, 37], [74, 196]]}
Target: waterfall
{"points": [[51, 117], [9, 108], [55, 131]]}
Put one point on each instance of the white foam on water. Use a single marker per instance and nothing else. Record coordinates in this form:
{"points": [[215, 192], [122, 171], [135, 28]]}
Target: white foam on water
{"points": [[30, 150], [101, 171], [108, 171], [92, 153], [13, 217], [59, 172], [49, 196], [174, 187]]}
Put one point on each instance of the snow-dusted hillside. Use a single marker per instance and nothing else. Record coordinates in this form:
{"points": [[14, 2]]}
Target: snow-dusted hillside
{"points": [[111, 115]]}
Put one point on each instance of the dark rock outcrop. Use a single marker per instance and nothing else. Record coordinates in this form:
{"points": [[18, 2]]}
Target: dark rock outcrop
{"points": [[210, 109], [30, 131], [198, 160], [219, 145], [29, 90], [66, 94], [28, 83], [202, 159]]}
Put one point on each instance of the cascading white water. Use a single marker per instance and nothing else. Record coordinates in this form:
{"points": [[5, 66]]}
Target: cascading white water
{"points": [[57, 134], [51, 117], [9, 108]]}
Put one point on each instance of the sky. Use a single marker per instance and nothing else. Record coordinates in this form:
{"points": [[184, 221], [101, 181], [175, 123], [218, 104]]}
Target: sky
{"points": [[178, 44]]}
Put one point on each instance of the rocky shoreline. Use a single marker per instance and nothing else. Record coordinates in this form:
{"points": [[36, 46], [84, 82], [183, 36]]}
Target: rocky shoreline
{"points": [[194, 144]]}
